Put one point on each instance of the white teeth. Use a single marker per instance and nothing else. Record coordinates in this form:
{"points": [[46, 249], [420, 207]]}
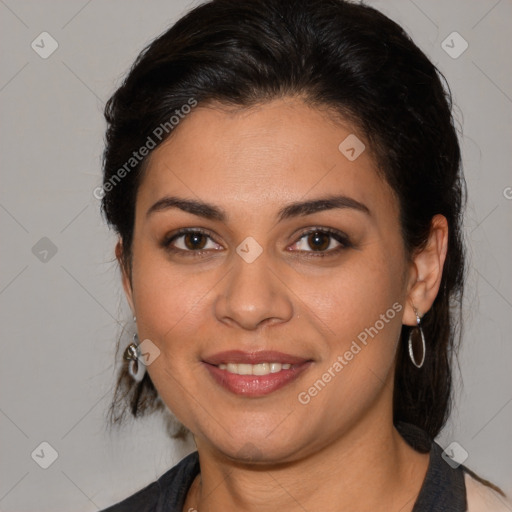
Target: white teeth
{"points": [[244, 369], [261, 369], [254, 369], [275, 367]]}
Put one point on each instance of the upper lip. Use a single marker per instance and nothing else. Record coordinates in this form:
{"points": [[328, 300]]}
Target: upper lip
{"points": [[264, 356]]}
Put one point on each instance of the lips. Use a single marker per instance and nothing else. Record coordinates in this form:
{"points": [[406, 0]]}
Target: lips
{"points": [[255, 385], [264, 356]]}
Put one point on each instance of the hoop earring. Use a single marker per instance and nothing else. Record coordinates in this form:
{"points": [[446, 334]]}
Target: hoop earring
{"points": [[410, 342], [136, 368]]}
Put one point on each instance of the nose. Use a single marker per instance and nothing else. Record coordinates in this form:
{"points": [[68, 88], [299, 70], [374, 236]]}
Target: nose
{"points": [[252, 295]]}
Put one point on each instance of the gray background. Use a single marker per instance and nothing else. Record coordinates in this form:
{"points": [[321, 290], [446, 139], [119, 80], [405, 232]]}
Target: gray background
{"points": [[62, 313]]}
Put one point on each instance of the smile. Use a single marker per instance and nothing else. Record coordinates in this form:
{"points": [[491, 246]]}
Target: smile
{"points": [[254, 374], [254, 369]]}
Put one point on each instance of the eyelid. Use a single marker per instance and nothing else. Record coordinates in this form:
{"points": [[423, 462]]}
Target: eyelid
{"points": [[166, 242], [183, 231], [340, 237]]}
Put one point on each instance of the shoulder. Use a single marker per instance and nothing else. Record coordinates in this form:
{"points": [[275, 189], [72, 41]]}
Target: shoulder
{"points": [[165, 494], [144, 500], [481, 498]]}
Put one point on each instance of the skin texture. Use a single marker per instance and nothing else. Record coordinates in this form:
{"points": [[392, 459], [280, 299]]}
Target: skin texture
{"points": [[340, 451]]}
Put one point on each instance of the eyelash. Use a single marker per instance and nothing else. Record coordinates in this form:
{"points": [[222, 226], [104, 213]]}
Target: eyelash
{"points": [[340, 237]]}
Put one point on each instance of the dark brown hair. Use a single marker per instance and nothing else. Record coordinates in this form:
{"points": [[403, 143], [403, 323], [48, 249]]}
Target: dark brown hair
{"points": [[348, 58]]}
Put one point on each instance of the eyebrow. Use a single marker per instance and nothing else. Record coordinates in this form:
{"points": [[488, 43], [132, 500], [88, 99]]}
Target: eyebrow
{"points": [[295, 209]]}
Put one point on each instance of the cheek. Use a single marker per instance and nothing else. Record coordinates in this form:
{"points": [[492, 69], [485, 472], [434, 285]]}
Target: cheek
{"points": [[354, 296], [361, 311], [170, 308], [361, 307], [169, 301]]}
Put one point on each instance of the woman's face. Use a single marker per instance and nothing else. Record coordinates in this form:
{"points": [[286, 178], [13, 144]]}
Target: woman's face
{"points": [[275, 267]]}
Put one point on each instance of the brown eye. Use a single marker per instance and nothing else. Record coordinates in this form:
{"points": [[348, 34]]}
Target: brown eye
{"points": [[319, 241], [322, 242], [194, 241]]}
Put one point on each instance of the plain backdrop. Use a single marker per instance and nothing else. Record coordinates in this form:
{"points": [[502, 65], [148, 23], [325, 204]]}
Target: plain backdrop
{"points": [[62, 309]]}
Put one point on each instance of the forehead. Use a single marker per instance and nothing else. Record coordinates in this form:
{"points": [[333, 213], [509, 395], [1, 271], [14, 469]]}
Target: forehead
{"points": [[266, 155]]}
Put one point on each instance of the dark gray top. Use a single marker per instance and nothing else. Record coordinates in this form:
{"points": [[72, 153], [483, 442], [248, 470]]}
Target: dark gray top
{"points": [[443, 489]]}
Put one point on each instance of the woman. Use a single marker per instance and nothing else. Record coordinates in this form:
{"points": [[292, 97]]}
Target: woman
{"points": [[285, 181]]}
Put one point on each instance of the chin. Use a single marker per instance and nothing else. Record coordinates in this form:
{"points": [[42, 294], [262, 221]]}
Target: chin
{"points": [[257, 448]]}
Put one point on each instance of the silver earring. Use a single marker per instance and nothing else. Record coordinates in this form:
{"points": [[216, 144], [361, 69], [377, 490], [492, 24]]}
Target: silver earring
{"points": [[136, 368], [416, 330]]}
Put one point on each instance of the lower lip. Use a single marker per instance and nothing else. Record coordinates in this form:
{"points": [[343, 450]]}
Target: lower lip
{"points": [[255, 385]]}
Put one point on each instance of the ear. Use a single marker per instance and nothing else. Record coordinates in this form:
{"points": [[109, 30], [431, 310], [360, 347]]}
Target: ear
{"points": [[125, 275], [426, 271]]}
